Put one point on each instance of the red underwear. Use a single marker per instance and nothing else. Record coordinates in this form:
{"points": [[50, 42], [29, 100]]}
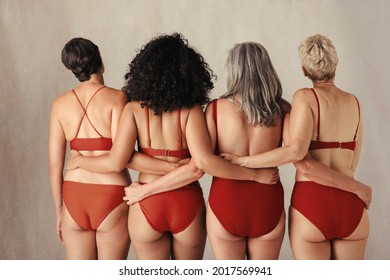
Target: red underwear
{"points": [[173, 211], [89, 204], [336, 213], [246, 208]]}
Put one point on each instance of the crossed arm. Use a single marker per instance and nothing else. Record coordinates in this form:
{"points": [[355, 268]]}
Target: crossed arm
{"points": [[296, 140]]}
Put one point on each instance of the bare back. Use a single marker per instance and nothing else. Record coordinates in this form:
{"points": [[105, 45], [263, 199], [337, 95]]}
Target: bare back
{"points": [[340, 120], [164, 131], [83, 115], [234, 135]]}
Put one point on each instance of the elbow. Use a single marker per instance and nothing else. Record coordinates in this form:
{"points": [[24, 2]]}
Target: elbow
{"points": [[297, 154], [115, 166], [195, 171], [199, 163], [304, 167]]}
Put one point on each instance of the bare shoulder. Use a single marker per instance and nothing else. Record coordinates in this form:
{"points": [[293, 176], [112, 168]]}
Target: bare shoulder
{"points": [[116, 95], [61, 101], [132, 107], [303, 96]]}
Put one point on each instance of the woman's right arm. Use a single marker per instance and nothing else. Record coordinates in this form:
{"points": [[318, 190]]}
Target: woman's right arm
{"points": [[57, 150]]}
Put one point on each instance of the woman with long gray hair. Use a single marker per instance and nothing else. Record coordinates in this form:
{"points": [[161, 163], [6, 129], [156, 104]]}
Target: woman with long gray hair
{"points": [[246, 219]]}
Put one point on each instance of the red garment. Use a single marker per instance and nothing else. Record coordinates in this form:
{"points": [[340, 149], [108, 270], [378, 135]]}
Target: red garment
{"points": [[89, 204], [336, 213], [173, 211], [179, 153], [317, 144], [245, 208], [89, 144]]}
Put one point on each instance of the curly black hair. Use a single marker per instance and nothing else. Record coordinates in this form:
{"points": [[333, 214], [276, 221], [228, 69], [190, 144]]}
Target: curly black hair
{"points": [[82, 57], [167, 75]]}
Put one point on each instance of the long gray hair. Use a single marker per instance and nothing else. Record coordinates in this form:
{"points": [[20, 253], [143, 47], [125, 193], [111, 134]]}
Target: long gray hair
{"points": [[252, 78]]}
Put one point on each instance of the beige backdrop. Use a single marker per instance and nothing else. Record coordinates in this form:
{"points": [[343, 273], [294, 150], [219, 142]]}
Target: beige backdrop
{"points": [[32, 34]]}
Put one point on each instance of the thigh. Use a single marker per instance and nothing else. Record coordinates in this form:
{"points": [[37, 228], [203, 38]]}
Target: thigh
{"points": [[148, 243], [354, 246], [80, 244], [112, 236], [307, 241], [190, 243], [225, 246], [267, 247]]}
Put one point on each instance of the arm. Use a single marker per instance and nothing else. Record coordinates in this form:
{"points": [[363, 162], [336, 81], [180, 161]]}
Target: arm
{"points": [[178, 178], [120, 153], [300, 135], [198, 142], [191, 172], [57, 149], [324, 175], [147, 164], [123, 129]]}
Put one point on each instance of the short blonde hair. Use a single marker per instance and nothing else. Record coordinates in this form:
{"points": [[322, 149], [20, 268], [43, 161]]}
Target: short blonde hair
{"points": [[318, 57]]}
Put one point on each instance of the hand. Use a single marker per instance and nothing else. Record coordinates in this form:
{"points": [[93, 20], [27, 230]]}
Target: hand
{"points": [[59, 227], [71, 163], [133, 193], [184, 161], [267, 175], [364, 192], [242, 161]]}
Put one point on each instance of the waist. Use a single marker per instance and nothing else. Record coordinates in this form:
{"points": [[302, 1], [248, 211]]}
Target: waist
{"points": [[85, 176], [219, 180]]}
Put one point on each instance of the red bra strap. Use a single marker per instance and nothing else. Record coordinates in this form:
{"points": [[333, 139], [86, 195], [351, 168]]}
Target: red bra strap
{"points": [[319, 113], [85, 111], [179, 133], [214, 106], [357, 128], [148, 126]]}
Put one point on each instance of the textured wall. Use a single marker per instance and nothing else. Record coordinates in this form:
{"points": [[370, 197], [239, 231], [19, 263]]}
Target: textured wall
{"points": [[32, 34]]}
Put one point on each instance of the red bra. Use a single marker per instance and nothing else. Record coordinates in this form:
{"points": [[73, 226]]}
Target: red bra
{"points": [[89, 144], [318, 144], [179, 153]]}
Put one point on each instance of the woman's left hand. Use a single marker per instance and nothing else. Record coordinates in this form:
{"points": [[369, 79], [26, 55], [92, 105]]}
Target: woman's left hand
{"points": [[133, 193], [71, 163], [242, 161]]}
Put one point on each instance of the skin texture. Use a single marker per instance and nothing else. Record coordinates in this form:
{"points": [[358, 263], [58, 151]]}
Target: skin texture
{"points": [[111, 239], [338, 107], [148, 243]]}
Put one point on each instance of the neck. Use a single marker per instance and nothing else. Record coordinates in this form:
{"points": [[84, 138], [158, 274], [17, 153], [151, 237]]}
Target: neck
{"points": [[328, 83], [96, 78]]}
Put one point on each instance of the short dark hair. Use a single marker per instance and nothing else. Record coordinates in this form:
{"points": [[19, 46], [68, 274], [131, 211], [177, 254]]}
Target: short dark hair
{"points": [[167, 75], [82, 57]]}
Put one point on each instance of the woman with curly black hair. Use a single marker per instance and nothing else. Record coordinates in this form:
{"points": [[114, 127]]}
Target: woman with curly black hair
{"points": [[168, 83]]}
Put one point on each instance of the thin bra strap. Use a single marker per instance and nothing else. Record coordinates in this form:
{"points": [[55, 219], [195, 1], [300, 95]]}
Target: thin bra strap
{"points": [[319, 113], [179, 134], [85, 111], [357, 128], [148, 126], [214, 106]]}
